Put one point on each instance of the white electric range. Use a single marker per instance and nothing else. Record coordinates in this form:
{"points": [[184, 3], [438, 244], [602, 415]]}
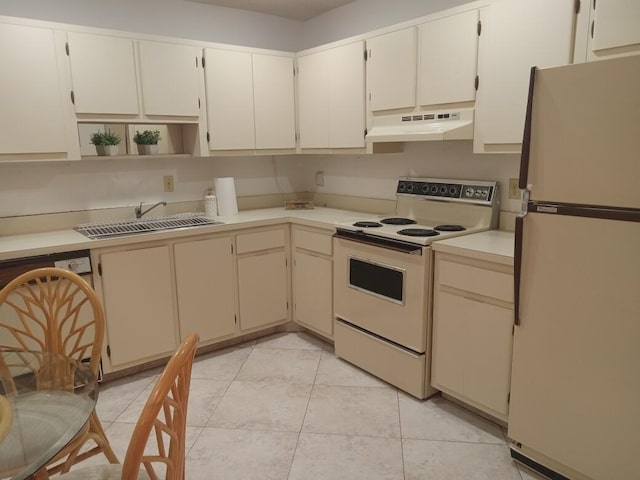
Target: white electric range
{"points": [[383, 276]]}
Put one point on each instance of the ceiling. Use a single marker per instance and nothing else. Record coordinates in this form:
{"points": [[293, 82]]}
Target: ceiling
{"points": [[295, 9]]}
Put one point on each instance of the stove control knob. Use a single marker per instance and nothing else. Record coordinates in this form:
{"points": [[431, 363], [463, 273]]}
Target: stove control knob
{"points": [[402, 186], [425, 188], [469, 192], [453, 191], [433, 189], [443, 189], [410, 187], [479, 193]]}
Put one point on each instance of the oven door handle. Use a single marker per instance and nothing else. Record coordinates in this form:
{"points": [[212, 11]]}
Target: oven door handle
{"points": [[367, 239]]}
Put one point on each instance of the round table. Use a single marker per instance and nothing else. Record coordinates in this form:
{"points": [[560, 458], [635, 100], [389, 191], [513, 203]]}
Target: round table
{"points": [[51, 398]]}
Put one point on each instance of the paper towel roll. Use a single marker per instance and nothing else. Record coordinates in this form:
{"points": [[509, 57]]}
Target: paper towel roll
{"points": [[226, 193]]}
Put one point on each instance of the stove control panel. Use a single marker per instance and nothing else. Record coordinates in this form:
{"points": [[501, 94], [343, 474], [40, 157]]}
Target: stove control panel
{"points": [[469, 191]]}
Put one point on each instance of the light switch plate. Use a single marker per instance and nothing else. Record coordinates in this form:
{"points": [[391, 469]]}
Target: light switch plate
{"points": [[320, 179]]}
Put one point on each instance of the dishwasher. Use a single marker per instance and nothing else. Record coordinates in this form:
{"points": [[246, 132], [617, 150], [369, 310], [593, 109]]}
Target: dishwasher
{"points": [[77, 261]]}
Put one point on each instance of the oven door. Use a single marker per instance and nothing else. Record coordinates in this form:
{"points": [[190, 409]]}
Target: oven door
{"points": [[382, 291]]}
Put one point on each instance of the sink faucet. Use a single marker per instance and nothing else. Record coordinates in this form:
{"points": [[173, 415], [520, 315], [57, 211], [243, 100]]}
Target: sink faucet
{"points": [[140, 213]]}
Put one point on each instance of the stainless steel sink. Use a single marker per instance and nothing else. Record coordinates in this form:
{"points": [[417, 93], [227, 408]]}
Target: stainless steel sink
{"points": [[144, 225]]}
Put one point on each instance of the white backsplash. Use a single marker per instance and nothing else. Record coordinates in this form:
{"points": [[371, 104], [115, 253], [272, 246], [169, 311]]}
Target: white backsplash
{"points": [[27, 189]]}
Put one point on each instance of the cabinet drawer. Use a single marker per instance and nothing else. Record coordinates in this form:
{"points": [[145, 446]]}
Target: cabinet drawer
{"points": [[481, 281], [316, 242], [253, 242]]}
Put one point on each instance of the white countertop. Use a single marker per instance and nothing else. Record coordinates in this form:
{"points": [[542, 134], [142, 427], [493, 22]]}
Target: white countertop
{"points": [[16, 246], [493, 246]]}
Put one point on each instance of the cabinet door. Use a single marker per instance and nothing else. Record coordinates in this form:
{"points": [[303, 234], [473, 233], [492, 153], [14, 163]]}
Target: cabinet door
{"points": [[262, 288], [313, 99], [616, 23], [138, 304], [169, 75], [313, 292], [392, 70], [448, 59], [274, 101], [103, 74], [205, 283], [31, 111], [516, 35], [347, 96], [229, 87], [472, 346]]}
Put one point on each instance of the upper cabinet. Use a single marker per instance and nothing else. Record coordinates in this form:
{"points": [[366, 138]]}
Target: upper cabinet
{"points": [[250, 100], [103, 73], [169, 75], [391, 70], [516, 35], [35, 120], [448, 59], [607, 28], [331, 98]]}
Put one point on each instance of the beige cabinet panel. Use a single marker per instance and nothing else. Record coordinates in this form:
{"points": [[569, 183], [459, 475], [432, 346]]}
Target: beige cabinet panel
{"points": [[516, 35], [331, 97], [472, 332], [137, 291], [448, 59], [347, 96], [391, 70], [313, 292], [229, 87], [616, 23], [262, 289], [313, 99], [273, 92], [205, 283], [169, 75], [103, 74], [31, 111]]}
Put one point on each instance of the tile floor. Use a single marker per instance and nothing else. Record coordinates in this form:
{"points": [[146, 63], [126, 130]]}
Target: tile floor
{"points": [[285, 407]]}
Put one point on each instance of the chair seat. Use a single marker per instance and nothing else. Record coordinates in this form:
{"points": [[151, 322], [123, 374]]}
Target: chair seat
{"points": [[100, 472]]}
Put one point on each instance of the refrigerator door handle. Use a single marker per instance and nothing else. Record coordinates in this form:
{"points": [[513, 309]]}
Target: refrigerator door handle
{"points": [[526, 140], [517, 266]]}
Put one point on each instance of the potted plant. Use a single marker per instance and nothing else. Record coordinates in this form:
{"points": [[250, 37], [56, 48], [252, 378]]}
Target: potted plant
{"points": [[147, 141], [106, 142]]}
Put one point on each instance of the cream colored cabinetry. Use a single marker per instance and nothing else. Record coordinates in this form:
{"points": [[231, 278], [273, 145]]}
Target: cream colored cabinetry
{"points": [[472, 331], [36, 123], [313, 279], [169, 76], [263, 277], [516, 35], [607, 28], [206, 288], [103, 73], [250, 100], [331, 98], [136, 286], [391, 70], [448, 59]]}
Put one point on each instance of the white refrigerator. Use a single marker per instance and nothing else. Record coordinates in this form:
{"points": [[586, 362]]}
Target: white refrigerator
{"points": [[575, 391]]}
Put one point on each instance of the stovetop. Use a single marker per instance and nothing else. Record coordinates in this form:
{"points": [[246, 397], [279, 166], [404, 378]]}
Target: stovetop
{"points": [[434, 209]]}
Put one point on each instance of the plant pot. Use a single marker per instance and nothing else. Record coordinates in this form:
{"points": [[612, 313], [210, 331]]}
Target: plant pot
{"points": [[108, 150], [147, 149]]}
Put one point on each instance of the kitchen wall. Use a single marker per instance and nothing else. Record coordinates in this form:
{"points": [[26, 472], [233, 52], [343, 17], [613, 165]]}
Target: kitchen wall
{"points": [[177, 18]]}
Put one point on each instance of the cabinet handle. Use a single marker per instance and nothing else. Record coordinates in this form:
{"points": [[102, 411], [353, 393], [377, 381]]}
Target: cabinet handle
{"points": [[526, 140], [73, 97], [593, 23]]}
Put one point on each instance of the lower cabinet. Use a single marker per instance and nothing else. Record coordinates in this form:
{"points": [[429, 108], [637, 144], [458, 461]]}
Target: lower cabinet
{"points": [[206, 288], [472, 332], [263, 277], [313, 279], [137, 295]]}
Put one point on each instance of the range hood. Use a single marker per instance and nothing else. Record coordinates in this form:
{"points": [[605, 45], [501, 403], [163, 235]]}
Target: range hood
{"points": [[456, 124]]}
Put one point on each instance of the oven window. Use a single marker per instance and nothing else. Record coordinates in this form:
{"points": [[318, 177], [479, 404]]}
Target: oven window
{"points": [[380, 280]]}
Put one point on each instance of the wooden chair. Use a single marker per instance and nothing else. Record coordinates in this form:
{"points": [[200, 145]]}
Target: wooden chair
{"points": [[56, 311], [6, 417], [164, 415]]}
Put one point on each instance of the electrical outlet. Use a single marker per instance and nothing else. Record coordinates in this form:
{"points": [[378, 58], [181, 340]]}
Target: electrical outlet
{"points": [[514, 192], [168, 183], [320, 179]]}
